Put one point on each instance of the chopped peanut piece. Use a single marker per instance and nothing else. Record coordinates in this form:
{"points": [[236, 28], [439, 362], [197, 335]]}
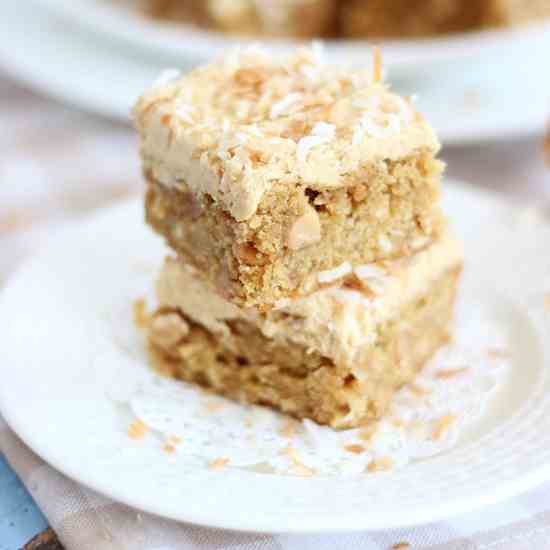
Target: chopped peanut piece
{"points": [[302, 470], [168, 329], [306, 230]]}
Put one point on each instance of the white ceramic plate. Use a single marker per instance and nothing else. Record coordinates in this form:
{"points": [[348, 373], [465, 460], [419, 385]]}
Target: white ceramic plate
{"points": [[121, 20], [58, 351], [466, 103]]}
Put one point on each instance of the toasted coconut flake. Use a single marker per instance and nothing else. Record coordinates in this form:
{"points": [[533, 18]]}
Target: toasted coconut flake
{"points": [[298, 467], [302, 470], [421, 391], [175, 440], [377, 64], [169, 449], [214, 406], [137, 430], [355, 448], [442, 425], [289, 429], [218, 463], [321, 133], [380, 464], [141, 316], [547, 298], [445, 374], [281, 107], [401, 546], [367, 433]]}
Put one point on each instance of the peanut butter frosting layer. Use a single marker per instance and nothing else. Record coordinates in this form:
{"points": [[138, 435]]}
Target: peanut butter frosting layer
{"points": [[236, 128], [337, 321]]}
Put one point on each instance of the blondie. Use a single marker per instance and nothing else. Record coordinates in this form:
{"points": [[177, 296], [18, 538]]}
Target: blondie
{"points": [[263, 172], [336, 356]]}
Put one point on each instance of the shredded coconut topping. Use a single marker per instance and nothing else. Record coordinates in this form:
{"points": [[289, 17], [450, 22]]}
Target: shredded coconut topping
{"points": [[282, 106], [184, 112], [321, 133], [292, 103], [332, 275]]}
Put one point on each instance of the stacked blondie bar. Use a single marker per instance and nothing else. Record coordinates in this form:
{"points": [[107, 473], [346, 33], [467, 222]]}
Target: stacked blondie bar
{"points": [[313, 269]]}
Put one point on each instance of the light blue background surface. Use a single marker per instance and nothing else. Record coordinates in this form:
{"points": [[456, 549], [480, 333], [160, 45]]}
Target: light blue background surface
{"points": [[20, 519]]}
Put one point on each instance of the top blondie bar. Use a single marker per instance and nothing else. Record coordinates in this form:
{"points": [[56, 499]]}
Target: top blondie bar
{"points": [[269, 175]]}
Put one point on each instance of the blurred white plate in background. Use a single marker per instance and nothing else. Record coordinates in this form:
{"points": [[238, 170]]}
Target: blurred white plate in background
{"points": [[121, 20], [501, 95]]}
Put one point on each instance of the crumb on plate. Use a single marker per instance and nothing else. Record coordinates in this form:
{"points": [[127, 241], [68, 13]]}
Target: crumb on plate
{"points": [[137, 429]]}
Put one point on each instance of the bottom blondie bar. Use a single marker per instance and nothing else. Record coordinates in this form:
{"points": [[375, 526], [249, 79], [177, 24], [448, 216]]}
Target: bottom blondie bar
{"points": [[336, 356]]}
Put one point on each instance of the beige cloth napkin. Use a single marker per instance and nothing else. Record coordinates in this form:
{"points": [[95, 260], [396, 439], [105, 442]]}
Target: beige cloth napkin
{"points": [[57, 164]]}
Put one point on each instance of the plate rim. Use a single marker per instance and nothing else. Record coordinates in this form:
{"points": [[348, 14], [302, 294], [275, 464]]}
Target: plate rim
{"points": [[119, 23], [448, 509]]}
